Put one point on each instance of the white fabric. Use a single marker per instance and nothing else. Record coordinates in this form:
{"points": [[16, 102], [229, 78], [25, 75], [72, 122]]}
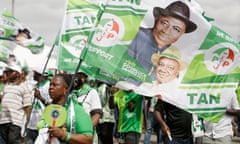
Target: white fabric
{"points": [[37, 111], [91, 102], [43, 137], [224, 126]]}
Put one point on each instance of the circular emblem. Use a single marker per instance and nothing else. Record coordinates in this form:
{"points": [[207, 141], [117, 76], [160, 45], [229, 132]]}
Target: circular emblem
{"points": [[55, 115], [221, 58], [109, 31]]}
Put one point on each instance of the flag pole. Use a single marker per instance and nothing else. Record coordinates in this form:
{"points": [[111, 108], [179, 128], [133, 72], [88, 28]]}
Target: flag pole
{"points": [[73, 77], [28, 119], [13, 3]]}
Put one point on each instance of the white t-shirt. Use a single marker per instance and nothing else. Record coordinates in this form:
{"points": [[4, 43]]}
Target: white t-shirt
{"points": [[90, 101]]}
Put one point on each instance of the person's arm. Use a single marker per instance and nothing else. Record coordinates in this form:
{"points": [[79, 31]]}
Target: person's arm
{"points": [[38, 95], [160, 120], [111, 102], [158, 113], [96, 108], [233, 112], [80, 139], [95, 118], [62, 135], [27, 110]]}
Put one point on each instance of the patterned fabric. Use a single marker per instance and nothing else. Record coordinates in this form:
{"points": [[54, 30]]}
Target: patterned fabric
{"points": [[15, 98]]}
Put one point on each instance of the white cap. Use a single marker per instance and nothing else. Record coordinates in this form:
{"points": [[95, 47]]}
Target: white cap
{"points": [[15, 68], [39, 70]]}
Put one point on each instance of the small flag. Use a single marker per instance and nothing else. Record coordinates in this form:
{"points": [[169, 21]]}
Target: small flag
{"points": [[11, 29]]}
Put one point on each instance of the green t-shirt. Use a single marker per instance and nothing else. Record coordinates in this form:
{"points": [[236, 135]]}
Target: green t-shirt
{"points": [[129, 120]]}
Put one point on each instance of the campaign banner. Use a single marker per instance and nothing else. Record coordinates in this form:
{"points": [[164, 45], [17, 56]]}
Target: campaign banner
{"points": [[79, 21], [12, 29], [166, 48]]}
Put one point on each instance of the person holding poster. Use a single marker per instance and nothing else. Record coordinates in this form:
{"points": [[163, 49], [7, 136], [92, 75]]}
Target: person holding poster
{"points": [[170, 24], [130, 116], [176, 124]]}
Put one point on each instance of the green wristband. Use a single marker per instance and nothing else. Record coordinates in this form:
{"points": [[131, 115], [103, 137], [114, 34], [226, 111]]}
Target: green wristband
{"points": [[68, 137]]}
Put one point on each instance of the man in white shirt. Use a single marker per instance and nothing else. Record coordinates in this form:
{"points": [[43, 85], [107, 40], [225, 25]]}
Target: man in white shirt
{"points": [[221, 132]]}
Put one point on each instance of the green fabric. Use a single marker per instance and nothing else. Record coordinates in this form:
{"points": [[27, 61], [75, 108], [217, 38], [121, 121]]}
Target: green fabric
{"points": [[41, 84], [83, 123], [82, 91], [129, 121]]}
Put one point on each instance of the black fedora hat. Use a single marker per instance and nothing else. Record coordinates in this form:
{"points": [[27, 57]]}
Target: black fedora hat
{"points": [[178, 10], [26, 31]]}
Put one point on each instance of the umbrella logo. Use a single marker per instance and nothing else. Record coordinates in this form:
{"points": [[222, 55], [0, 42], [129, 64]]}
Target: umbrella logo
{"points": [[76, 45], [109, 31], [221, 58]]}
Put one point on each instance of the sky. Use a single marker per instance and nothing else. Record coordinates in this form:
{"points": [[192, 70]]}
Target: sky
{"points": [[45, 16]]}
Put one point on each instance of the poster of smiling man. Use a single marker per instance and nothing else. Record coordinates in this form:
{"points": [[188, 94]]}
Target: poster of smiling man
{"points": [[164, 48]]}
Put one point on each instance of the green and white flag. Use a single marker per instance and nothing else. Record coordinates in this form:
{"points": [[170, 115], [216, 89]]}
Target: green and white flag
{"points": [[4, 51], [115, 38], [10, 27], [79, 21]]}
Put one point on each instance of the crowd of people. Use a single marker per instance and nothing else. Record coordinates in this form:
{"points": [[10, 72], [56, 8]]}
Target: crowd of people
{"points": [[96, 112]]}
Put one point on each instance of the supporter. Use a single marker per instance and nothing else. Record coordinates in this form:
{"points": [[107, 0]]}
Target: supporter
{"points": [[221, 132], [16, 103], [130, 116], [106, 122], [78, 126], [89, 98], [151, 122], [40, 101], [175, 123]]}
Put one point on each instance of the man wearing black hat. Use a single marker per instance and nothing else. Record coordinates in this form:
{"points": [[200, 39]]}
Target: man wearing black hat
{"points": [[170, 24], [22, 35]]}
